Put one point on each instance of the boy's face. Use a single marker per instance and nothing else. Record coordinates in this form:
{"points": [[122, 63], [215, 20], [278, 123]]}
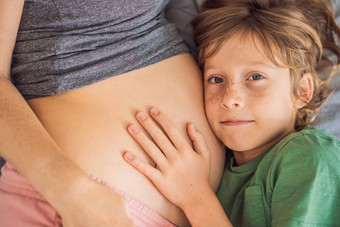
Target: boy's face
{"points": [[248, 100]]}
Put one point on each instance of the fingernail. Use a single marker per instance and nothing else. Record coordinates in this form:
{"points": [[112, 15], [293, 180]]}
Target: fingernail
{"points": [[133, 128], [141, 116], [154, 111], [128, 156]]}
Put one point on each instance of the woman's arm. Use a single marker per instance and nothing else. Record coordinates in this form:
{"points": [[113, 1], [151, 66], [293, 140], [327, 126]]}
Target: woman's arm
{"points": [[25, 143], [181, 173]]}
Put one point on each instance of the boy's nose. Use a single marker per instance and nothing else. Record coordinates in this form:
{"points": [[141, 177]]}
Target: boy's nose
{"points": [[232, 98]]}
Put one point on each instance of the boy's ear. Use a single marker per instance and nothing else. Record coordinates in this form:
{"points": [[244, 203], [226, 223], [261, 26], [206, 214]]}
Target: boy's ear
{"points": [[305, 90]]}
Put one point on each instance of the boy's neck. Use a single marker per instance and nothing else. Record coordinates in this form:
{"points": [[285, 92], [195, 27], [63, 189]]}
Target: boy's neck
{"points": [[244, 157]]}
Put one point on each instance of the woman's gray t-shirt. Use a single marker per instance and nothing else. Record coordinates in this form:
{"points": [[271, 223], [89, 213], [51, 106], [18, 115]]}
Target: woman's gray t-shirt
{"points": [[67, 44]]}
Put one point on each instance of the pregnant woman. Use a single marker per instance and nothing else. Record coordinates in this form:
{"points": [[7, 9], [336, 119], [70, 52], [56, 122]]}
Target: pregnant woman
{"points": [[73, 74]]}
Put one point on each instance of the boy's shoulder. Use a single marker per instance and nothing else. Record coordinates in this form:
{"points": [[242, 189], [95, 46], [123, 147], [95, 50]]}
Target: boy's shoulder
{"points": [[307, 152], [309, 142], [304, 173]]}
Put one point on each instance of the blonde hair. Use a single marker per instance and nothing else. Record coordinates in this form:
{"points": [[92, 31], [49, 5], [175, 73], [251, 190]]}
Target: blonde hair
{"points": [[294, 31]]}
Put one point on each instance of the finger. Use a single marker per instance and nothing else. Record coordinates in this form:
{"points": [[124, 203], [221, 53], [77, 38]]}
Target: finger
{"points": [[170, 129], [150, 148], [150, 172], [198, 141], [161, 140]]}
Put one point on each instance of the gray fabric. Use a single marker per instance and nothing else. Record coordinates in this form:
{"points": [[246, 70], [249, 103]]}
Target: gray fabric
{"points": [[181, 12], [68, 44]]}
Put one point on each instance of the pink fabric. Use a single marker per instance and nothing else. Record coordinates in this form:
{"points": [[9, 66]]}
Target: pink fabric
{"points": [[22, 205]]}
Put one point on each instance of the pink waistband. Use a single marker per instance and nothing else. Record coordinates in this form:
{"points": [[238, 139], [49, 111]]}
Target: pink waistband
{"points": [[13, 182], [141, 215]]}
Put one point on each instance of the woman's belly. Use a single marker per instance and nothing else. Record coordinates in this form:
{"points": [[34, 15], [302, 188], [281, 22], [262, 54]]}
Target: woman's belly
{"points": [[89, 124]]}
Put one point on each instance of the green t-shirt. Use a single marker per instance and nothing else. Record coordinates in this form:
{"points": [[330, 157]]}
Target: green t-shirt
{"points": [[295, 183]]}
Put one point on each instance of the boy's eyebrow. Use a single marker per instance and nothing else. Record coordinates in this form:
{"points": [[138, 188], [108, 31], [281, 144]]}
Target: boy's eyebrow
{"points": [[208, 67], [261, 63], [251, 63]]}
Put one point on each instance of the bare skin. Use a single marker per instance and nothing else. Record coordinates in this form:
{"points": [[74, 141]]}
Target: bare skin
{"points": [[102, 124]]}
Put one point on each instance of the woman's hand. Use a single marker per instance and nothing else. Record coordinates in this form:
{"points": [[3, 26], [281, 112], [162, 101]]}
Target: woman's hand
{"points": [[182, 172], [93, 204]]}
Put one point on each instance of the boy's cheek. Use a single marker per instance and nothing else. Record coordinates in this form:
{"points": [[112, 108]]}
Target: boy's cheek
{"points": [[211, 109], [212, 102]]}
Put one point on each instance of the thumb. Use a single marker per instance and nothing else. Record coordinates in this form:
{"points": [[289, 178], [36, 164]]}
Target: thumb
{"points": [[198, 141]]}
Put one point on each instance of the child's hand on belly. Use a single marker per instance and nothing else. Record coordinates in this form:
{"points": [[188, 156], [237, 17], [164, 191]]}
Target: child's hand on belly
{"points": [[182, 172]]}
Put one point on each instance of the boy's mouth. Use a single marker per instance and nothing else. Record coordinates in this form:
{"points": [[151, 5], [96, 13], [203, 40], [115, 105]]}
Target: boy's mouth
{"points": [[236, 122]]}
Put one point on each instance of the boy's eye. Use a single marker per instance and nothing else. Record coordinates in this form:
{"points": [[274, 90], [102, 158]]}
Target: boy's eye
{"points": [[215, 80], [256, 76]]}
